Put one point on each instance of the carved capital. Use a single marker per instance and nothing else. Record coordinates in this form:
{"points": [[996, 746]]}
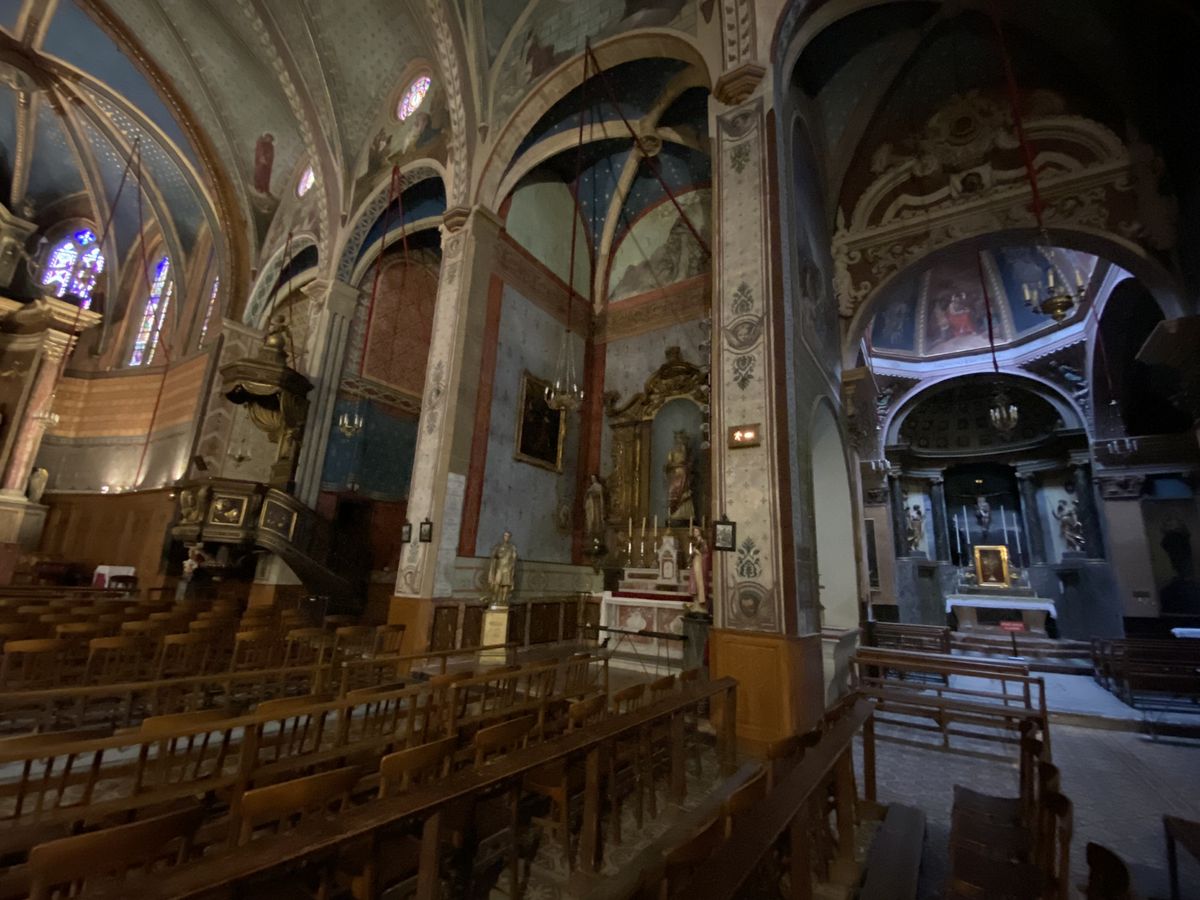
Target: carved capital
{"points": [[455, 218], [736, 85]]}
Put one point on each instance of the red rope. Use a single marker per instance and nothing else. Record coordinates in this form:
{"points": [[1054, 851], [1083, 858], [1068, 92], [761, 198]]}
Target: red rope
{"points": [[575, 188], [642, 149], [987, 307], [393, 193], [1010, 78]]}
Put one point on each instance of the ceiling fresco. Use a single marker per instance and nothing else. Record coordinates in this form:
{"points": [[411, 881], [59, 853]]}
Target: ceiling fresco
{"points": [[939, 309]]}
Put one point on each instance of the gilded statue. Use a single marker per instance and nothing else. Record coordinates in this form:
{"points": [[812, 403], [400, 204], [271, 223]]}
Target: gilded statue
{"points": [[1069, 525], [502, 570], [678, 474]]}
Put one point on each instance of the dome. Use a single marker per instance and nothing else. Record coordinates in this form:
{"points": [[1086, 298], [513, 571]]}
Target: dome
{"points": [[939, 310]]}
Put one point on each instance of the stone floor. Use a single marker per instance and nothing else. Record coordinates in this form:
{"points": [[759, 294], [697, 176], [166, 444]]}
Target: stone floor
{"points": [[1121, 784]]}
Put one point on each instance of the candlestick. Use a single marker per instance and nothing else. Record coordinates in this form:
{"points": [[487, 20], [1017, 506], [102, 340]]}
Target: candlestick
{"points": [[656, 526], [957, 539], [630, 532], [643, 529], [1003, 525], [967, 527], [1017, 532]]}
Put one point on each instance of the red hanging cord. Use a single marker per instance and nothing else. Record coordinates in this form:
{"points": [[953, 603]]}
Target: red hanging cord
{"points": [[575, 189], [602, 78], [1014, 101], [987, 307]]}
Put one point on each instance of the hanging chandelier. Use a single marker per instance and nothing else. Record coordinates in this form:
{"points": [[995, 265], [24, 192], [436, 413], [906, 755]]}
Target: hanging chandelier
{"points": [[565, 394], [1004, 413], [1053, 295], [350, 424]]}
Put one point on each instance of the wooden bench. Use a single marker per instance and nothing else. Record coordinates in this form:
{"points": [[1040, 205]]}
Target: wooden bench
{"points": [[894, 860], [885, 675], [1133, 667], [894, 636]]}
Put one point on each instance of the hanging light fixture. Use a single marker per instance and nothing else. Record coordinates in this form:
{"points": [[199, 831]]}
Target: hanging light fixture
{"points": [[350, 424], [1004, 413], [565, 394], [1053, 295]]}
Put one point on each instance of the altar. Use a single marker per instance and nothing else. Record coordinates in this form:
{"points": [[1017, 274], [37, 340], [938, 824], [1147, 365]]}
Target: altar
{"points": [[1034, 610], [643, 622]]}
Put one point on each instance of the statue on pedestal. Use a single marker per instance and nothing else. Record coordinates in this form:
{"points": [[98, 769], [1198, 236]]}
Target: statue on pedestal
{"points": [[37, 484], [678, 473], [698, 569], [593, 508], [983, 514], [1070, 526], [916, 527], [502, 571]]}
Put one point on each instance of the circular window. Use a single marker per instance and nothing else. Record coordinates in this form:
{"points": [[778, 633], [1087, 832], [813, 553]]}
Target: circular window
{"points": [[412, 97], [307, 179]]}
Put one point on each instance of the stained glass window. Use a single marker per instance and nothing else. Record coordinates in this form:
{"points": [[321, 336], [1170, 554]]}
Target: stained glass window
{"points": [[155, 310], [208, 313], [307, 179], [74, 265], [412, 97]]}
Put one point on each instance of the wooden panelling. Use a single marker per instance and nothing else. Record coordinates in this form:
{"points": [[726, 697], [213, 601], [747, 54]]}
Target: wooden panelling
{"points": [[780, 683], [121, 530]]}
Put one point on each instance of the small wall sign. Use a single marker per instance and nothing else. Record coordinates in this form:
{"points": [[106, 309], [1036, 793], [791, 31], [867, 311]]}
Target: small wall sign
{"points": [[745, 436]]}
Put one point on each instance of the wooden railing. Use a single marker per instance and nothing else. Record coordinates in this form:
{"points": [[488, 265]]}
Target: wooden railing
{"points": [[791, 808], [269, 856]]}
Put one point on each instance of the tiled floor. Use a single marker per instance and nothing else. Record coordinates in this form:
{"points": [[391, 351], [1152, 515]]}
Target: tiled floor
{"points": [[1121, 785]]}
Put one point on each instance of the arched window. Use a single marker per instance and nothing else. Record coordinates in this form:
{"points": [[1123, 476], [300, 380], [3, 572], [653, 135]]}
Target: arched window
{"points": [[74, 265], [307, 179], [208, 313], [412, 97], [146, 341]]}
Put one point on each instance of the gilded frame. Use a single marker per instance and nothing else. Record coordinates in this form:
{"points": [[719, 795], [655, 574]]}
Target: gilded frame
{"points": [[533, 402], [992, 552]]}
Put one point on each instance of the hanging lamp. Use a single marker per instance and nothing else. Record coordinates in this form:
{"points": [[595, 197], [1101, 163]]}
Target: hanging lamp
{"points": [[565, 394], [1003, 413]]}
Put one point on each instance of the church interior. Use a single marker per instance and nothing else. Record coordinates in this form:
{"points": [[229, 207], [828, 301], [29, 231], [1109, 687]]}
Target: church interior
{"points": [[623, 449]]}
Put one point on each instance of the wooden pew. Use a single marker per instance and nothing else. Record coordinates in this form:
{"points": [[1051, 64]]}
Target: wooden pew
{"points": [[1131, 668], [895, 636], [881, 674]]}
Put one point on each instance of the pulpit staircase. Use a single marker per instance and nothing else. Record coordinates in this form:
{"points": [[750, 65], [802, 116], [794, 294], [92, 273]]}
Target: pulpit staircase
{"points": [[249, 514]]}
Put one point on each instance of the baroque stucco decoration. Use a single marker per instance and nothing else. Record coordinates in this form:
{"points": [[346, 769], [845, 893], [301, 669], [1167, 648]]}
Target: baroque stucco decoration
{"points": [[950, 188]]}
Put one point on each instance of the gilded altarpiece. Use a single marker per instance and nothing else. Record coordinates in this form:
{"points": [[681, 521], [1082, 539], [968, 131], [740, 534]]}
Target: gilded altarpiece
{"points": [[632, 426]]}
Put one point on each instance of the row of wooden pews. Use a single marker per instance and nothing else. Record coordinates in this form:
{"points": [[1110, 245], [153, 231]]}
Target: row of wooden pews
{"points": [[1140, 671], [388, 805]]}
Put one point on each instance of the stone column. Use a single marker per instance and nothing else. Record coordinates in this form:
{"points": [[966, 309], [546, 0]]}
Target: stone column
{"points": [[941, 522], [1035, 534], [444, 433], [32, 427], [1081, 477], [337, 302], [899, 520], [765, 595]]}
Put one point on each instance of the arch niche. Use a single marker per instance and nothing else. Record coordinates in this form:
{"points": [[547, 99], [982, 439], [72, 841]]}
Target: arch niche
{"points": [[833, 508]]}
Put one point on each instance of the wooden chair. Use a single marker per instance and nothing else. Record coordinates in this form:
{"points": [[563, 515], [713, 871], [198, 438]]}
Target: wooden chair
{"points": [[401, 770], [626, 763], [33, 663], [254, 650], [558, 781], [679, 862], [280, 807], [75, 863], [741, 801], [1108, 876], [388, 640], [489, 744], [112, 660]]}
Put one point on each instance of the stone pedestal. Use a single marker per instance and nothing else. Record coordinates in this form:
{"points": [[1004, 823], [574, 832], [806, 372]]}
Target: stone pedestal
{"points": [[21, 524], [919, 592], [494, 631], [837, 647], [1089, 605], [695, 632]]}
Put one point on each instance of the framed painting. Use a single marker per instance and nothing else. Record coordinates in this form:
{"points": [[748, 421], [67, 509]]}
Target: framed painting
{"points": [[541, 430], [724, 535], [991, 566]]}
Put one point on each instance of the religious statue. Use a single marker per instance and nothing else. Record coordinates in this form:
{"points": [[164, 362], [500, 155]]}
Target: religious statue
{"points": [[916, 527], [678, 473], [501, 571], [1069, 525], [264, 161], [983, 513], [37, 484], [698, 569], [593, 507]]}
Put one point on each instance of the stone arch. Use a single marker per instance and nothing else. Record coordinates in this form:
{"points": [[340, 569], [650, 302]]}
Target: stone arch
{"points": [[620, 49], [257, 306]]}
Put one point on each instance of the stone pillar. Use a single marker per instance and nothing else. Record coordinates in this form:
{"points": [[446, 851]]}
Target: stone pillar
{"points": [[32, 427], [765, 596], [899, 520], [1035, 534], [1081, 477], [336, 301], [444, 434], [941, 522]]}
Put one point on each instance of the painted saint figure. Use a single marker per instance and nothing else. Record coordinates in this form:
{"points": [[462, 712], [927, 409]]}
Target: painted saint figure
{"points": [[502, 570], [264, 161], [698, 570], [1069, 525]]}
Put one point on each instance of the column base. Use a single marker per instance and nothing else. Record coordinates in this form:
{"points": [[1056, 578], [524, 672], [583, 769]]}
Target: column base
{"points": [[416, 615], [780, 683]]}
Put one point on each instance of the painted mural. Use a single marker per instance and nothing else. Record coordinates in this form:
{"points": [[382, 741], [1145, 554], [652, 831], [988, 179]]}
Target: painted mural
{"points": [[1173, 532], [421, 134], [556, 31], [659, 250]]}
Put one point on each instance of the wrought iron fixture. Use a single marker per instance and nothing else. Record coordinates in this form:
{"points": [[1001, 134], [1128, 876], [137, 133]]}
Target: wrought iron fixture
{"points": [[1004, 414], [1122, 448]]}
